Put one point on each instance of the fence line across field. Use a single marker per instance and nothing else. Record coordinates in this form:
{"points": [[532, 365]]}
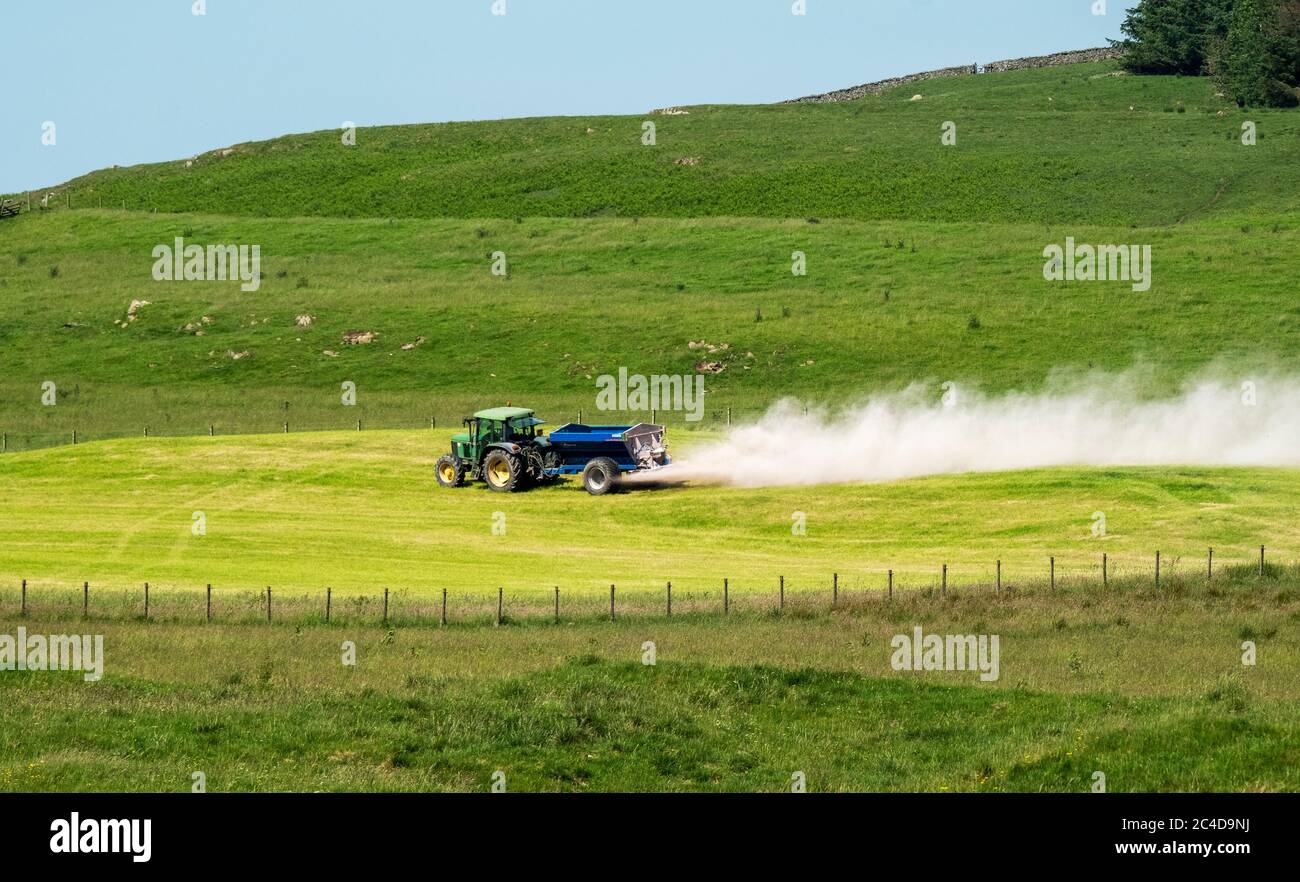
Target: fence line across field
{"points": [[19, 440], [422, 606]]}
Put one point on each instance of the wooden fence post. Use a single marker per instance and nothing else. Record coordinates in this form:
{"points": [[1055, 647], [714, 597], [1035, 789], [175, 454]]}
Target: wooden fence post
{"points": [[670, 599], [998, 587], [85, 599], [209, 601], [501, 594], [268, 603], [943, 586], [146, 601], [611, 603], [1261, 561], [386, 606], [1052, 582], [24, 605], [1157, 569], [782, 590], [1209, 566], [835, 589], [726, 597], [444, 606], [891, 584], [1105, 574], [329, 601], [557, 604]]}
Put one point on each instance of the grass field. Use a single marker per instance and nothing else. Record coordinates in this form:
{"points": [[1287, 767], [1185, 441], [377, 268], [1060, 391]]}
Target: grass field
{"points": [[1146, 686], [361, 511]]}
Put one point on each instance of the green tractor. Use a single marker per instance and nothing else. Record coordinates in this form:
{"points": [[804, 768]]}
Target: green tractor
{"points": [[501, 447]]}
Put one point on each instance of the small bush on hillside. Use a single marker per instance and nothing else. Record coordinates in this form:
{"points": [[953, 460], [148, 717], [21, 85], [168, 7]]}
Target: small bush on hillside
{"points": [[54, 271], [1229, 691], [1075, 663]]}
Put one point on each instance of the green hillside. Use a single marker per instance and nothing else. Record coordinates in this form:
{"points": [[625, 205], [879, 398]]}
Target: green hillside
{"points": [[1079, 144], [924, 262], [958, 302]]}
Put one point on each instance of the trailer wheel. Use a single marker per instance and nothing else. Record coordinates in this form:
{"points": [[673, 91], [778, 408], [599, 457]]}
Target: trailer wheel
{"points": [[502, 471], [449, 470], [600, 476]]}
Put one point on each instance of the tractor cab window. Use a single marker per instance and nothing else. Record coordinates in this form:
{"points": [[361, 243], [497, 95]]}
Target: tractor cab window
{"points": [[522, 427], [489, 432]]}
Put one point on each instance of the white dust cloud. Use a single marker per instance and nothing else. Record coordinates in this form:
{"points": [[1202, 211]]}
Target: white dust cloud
{"points": [[1100, 421]]}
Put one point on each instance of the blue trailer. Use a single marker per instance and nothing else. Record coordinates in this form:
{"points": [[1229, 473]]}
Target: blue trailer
{"points": [[506, 449]]}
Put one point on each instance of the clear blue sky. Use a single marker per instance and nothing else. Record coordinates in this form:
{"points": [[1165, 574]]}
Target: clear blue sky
{"points": [[130, 81]]}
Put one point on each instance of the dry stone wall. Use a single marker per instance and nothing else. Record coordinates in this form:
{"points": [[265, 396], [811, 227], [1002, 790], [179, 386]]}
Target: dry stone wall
{"points": [[1073, 57]]}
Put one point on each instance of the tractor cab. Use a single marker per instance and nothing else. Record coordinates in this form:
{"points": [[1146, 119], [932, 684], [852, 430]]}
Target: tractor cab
{"points": [[495, 425]]}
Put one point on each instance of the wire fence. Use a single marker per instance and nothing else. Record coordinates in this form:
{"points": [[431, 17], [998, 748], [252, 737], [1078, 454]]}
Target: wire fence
{"points": [[293, 420], [54, 599]]}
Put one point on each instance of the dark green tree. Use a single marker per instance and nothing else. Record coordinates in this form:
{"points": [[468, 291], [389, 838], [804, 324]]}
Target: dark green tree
{"points": [[1258, 60], [1174, 36]]}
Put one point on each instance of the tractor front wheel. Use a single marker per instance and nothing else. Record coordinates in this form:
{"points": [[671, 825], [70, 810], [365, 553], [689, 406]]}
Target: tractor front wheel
{"points": [[449, 470], [503, 472], [600, 476]]}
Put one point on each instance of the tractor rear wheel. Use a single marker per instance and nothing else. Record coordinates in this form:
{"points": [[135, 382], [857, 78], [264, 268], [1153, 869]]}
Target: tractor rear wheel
{"points": [[449, 470], [600, 476], [502, 471]]}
